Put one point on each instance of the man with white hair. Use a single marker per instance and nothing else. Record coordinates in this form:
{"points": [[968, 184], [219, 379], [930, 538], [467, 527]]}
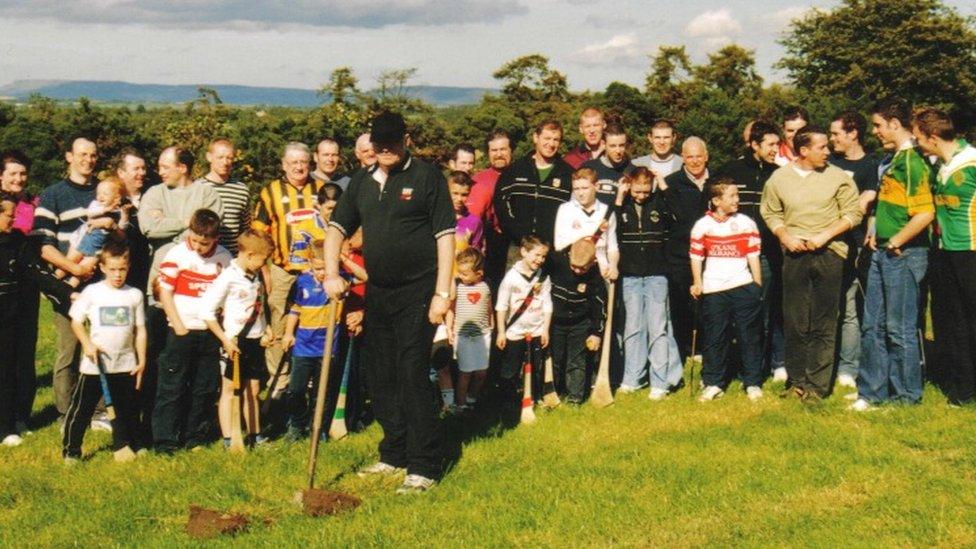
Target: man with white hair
{"points": [[683, 192], [285, 208], [364, 151]]}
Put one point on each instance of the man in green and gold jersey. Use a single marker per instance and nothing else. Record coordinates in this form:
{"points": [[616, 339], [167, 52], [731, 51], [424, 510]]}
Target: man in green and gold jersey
{"points": [[953, 273]]}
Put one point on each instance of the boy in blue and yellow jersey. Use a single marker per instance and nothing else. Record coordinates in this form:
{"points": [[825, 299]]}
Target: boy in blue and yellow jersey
{"points": [[305, 332]]}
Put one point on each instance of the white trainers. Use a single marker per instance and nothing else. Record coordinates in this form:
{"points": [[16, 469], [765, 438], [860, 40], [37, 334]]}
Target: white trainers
{"points": [[851, 396], [711, 393], [626, 389], [379, 468], [657, 394], [846, 380], [12, 440], [415, 484], [779, 374], [754, 393], [101, 423], [861, 405]]}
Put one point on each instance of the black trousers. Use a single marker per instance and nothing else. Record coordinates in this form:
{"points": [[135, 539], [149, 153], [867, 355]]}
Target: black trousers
{"points": [[812, 284], [953, 280], [26, 349], [512, 361], [398, 337], [156, 330], [8, 366], [187, 390], [736, 312], [571, 360], [682, 308], [87, 393]]}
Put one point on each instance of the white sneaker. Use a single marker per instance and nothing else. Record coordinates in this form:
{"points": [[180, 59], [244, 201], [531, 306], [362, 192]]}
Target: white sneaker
{"points": [[754, 393], [101, 423], [711, 393], [626, 389], [861, 405], [657, 394], [846, 380], [415, 484], [379, 468], [851, 396], [12, 440], [779, 374]]}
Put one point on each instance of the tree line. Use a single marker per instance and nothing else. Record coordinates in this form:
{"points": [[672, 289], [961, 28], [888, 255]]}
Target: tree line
{"points": [[845, 58]]}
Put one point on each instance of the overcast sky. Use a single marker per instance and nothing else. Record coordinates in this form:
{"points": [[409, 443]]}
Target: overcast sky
{"points": [[297, 43]]}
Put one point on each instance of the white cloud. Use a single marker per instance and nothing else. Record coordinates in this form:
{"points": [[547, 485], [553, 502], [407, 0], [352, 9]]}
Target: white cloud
{"points": [[716, 24], [620, 49], [785, 16]]}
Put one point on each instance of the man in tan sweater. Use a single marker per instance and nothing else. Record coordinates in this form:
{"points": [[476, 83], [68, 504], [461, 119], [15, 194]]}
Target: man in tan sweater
{"points": [[808, 205]]}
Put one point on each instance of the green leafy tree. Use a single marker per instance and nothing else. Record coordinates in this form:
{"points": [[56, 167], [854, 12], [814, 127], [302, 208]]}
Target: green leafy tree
{"points": [[864, 50]]}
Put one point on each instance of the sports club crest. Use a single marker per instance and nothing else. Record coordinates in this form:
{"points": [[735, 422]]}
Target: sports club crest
{"points": [[556, 182], [406, 193]]}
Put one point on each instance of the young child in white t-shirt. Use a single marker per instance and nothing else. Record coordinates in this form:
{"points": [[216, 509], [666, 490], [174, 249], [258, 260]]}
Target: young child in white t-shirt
{"points": [[115, 340], [524, 312]]}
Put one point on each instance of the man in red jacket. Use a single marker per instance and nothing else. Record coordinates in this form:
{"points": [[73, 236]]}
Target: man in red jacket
{"points": [[499, 150]]}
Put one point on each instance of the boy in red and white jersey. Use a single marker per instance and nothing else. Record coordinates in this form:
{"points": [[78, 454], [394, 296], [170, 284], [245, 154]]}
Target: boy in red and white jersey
{"points": [[189, 370], [727, 243]]}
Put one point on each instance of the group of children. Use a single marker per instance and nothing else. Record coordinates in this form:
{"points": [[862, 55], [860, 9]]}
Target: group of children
{"points": [[215, 305]]}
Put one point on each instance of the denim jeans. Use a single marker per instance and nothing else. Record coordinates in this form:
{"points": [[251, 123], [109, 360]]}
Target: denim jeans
{"points": [[648, 336], [849, 354], [772, 312], [891, 366], [740, 307]]}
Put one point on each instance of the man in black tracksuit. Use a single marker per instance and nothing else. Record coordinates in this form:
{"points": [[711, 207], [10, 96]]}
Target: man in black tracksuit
{"points": [[579, 300], [750, 173], [683, 192], [530, 191], [405, 211]]}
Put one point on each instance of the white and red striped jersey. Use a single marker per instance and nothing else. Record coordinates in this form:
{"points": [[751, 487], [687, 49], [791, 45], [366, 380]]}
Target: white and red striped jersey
{"points": [[724, 246], [188, 275]]}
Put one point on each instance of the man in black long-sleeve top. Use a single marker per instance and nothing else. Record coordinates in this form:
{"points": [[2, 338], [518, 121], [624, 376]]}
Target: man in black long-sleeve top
{"points": [[750, 173], [683, 192], [529, 192]]}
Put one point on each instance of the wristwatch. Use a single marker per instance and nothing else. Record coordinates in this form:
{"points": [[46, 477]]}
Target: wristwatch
{"points": [[445, 295]]}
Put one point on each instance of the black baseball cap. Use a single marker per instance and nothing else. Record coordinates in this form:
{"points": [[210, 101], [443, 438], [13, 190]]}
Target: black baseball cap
{"points": [[387, 127]]}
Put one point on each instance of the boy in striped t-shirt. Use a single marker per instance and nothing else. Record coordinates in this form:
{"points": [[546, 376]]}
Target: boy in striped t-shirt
{"points": [[189, 369], [727, 243]]}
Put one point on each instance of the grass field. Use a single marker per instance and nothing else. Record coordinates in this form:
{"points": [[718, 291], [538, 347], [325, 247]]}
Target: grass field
{"points": [[675, 473]]}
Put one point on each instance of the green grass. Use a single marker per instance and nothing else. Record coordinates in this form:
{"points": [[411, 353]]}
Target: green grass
{"points": [[672, 473]]}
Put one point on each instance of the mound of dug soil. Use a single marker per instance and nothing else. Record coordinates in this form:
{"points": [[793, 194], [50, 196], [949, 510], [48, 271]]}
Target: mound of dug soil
{"points": [[207, 523], [319, 503]]}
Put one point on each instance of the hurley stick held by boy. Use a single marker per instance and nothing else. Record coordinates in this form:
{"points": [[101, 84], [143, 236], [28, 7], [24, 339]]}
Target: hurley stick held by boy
{"points": [[239, 294]]}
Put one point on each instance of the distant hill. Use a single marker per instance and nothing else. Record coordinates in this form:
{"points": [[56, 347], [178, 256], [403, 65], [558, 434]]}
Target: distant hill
{"points": [[125, 92]]}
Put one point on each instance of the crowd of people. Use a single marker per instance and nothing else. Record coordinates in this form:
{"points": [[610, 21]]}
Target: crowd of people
{"points": [[805, 260]]}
